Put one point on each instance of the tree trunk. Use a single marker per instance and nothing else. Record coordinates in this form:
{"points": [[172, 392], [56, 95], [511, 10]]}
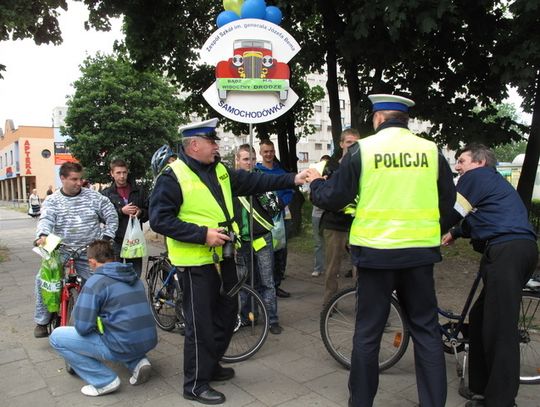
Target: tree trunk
{"points": [[532, 153], [353, 86], [291, 136], [331, 25]]}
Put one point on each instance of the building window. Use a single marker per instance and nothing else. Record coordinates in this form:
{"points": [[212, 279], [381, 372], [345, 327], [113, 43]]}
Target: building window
{"points": [[317, 126], [318, 108], [304, 157], [329, 146], [329, 128], [318, 146], [46, 153], [11, 157]]}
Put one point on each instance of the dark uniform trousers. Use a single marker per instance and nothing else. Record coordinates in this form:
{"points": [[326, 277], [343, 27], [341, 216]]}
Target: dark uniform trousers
{"points": [[416, 293], [210, 317], [494, 338]]}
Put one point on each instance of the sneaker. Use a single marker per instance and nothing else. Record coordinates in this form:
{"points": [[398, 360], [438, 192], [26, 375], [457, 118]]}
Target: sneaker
{"points": [[533, 283], [141, 373], [275, 329], [41, 331], [316, 274], [92, 391]]}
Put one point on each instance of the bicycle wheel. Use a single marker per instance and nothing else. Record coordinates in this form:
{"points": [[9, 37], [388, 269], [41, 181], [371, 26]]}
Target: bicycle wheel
{"points": [[338, 319], [163, 299], [529, 338], [73, 295], [251, 327]]}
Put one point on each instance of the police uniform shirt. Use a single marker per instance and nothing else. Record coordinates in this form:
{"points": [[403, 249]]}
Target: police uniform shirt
{"points": [[342, 188], [492, 208]]}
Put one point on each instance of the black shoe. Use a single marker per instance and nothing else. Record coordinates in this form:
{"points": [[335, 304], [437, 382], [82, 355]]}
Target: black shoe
{"points": [[467, 393], [475, 403], [209, 396], [282, 293], [41, 331], [275, 329], [222, 373]]}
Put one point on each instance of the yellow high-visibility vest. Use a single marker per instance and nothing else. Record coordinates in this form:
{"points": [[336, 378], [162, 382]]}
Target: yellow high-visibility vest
{"points": [[398, 205], [200, 207]]}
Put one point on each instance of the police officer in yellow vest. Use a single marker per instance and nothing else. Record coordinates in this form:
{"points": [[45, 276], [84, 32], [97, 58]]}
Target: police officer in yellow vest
{"points": [[192, 205], [405, 189]]}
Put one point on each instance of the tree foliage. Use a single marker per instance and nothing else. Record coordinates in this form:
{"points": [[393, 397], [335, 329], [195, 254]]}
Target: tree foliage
{"points": [[507, 152], [119, 112], [37, 19], [518, 60], [166, 35]]}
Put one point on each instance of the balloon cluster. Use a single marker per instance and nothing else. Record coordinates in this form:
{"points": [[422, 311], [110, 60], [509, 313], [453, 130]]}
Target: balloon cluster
{"points": [[237, 9]]}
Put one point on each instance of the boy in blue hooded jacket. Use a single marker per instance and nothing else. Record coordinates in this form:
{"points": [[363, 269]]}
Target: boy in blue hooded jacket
{"points": [[113, 321]]}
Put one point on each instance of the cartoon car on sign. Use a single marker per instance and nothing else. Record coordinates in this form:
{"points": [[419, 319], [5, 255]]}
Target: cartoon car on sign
{"points": [[252, 68]]}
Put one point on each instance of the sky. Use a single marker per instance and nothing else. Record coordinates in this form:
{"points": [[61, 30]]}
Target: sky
{"points": [[38, 78]]}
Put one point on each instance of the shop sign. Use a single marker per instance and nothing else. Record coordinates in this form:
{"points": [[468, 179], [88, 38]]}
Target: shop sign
{"points": [[27, 161]]}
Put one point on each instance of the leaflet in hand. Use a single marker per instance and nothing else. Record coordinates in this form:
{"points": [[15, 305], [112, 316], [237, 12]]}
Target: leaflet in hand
{"points": [[45, 250]]}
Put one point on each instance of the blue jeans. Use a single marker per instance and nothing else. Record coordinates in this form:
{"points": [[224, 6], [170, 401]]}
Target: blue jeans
{"points": [[318, 243], [85, 355], [264, 274], [41, 315]]}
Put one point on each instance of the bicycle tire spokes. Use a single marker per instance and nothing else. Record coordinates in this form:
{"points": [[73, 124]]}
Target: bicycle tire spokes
{"points": [[529, 338], [251, 326], [338, 320]]}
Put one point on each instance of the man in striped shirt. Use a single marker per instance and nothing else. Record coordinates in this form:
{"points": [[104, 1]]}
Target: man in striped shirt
{"points": [[77, 215]]}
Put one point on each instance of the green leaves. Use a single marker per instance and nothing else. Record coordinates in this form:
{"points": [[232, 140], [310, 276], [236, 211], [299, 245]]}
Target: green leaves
{"points": [[119, 112]]}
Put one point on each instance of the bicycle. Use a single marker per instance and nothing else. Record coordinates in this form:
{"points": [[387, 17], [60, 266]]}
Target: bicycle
{"points": [[71, 284], [338, 321], [165, 298]]}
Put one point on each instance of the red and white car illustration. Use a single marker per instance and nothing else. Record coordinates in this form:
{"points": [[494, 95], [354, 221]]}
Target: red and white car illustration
{"points": [[252, 68]]}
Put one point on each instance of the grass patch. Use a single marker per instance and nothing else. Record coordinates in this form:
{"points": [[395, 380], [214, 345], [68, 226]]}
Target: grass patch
{"points": [[303, 243], [3, 253]]}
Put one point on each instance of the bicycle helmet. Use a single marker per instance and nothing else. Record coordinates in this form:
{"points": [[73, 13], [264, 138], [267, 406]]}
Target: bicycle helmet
{"points": [[160, 159]]}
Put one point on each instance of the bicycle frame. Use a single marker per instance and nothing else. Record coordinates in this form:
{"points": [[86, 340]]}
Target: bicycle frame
{"points": [[452, 333], [70, 280]]}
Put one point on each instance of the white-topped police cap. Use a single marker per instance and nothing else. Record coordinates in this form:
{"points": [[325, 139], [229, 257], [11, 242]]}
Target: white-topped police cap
{"points": [[202, 129], [383, 101]]}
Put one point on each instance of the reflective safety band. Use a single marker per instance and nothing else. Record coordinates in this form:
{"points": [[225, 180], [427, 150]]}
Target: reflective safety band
{"points": [[259, 243], [462, 206], [263, 222], [403, 214]]}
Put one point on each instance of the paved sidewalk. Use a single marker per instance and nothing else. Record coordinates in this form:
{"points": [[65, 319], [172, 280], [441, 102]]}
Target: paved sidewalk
{"points": [[291, 370]]}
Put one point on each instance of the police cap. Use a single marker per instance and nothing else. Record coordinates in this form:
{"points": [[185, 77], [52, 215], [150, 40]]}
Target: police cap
{"points": [[390, 102], [205, 129]]}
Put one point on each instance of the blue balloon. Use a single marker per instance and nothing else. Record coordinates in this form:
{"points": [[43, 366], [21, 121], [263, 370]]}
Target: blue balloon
{"points": [[254, 9], [273, 14], [226, 17]]}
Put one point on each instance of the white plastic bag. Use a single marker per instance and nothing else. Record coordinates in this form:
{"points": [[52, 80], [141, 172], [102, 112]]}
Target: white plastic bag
{"points": [[279, 236], [134, 244]]}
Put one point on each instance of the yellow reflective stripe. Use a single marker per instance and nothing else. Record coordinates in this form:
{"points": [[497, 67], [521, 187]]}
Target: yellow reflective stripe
{"points": [[402, 214], [462, 205], [263, 222], [402, 233], [259, 243]]}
